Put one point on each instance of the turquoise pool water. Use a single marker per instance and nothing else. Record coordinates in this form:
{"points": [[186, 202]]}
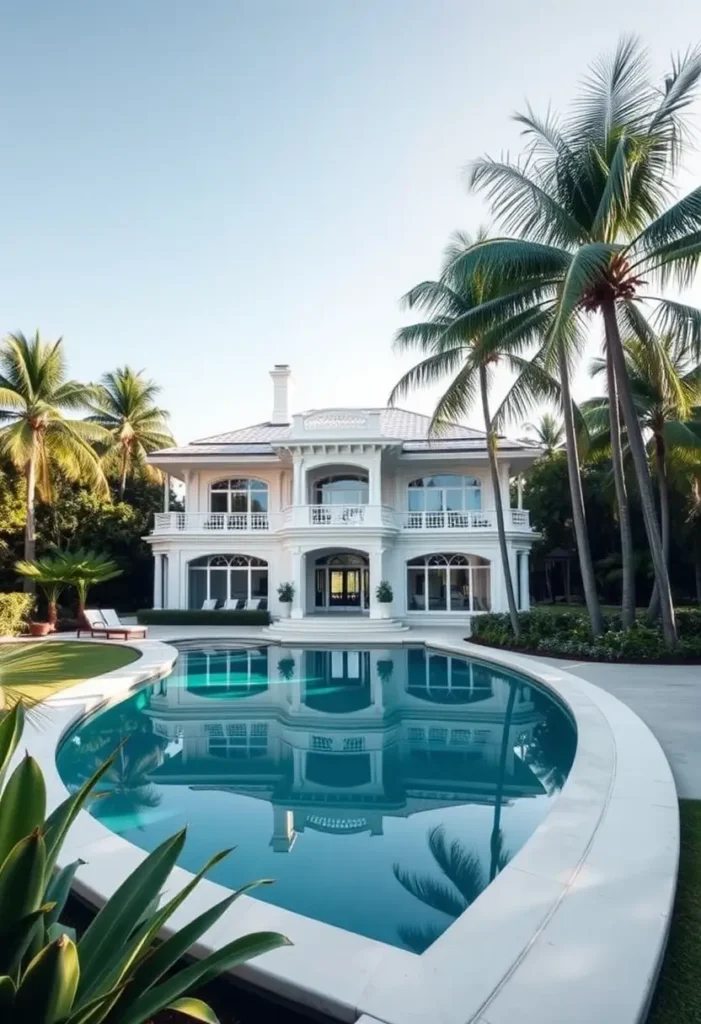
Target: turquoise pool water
{"points": [[382, 789]]}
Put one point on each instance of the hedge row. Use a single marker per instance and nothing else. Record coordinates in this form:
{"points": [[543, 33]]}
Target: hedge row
{"points": [[14, 612], [567, 634], [197, 617]]}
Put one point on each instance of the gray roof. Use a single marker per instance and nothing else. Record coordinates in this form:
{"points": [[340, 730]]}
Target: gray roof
{"points": [[397, 424]]}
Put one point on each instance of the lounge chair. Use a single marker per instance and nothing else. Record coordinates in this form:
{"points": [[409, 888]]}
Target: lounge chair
{"points": [[106, 623], [252, 605], [209, 605], [232, 604]]}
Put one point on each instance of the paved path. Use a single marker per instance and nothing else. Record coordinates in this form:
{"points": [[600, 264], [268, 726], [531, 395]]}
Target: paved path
{"points": [[667, 698]]}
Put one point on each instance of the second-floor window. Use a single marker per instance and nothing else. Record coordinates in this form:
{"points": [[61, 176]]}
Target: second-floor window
{"points": [[447, 492], [348, 489], [240, 495]]}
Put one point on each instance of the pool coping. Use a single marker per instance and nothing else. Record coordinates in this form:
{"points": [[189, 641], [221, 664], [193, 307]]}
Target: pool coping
{"points": [[575, 925]]}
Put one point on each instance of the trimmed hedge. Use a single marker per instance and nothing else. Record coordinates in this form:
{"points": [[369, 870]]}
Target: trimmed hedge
{"points": [[14, 612], [197, 617], [566, 634]]}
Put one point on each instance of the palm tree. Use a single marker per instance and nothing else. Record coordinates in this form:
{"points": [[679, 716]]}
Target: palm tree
{"points": [[666, 388], [48, 573], [83, 569], [468, 349], [549, 432], [124, 406], [36, 436], [591, 215]]}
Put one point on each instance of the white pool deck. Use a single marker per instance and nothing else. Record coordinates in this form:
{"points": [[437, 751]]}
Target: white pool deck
{"points": [[573, 929]]}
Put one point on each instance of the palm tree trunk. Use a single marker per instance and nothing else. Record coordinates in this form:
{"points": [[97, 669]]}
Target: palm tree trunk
{"points": [[123, 481], [30, 541], [501, 777], [627, 550], [697, 578], [642, 472], [579, 519], [653, 610], [498, 507]]}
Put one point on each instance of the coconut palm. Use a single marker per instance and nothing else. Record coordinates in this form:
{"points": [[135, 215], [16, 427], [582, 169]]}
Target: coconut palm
{"points": [[124, 405], [593, 219], [548, 432], [666, 388], [467, 350], [35, 434]]}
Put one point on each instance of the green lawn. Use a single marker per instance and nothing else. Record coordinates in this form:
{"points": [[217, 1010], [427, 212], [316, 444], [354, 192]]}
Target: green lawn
{"points": [[37, 670], [678, 996]]}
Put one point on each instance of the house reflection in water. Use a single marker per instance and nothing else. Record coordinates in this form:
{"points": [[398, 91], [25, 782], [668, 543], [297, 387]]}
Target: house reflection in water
{"points": [[338, 740]]}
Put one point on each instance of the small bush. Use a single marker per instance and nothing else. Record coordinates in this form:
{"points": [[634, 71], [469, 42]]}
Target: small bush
{"points": [[566, 633], [197, 617], [384, 592], [15, 608]]}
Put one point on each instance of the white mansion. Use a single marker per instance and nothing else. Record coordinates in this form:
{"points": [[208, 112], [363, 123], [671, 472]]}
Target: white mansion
{"points": [[333, 501]]}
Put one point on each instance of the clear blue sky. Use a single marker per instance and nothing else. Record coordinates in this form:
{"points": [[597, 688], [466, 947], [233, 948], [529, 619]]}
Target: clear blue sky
{"points": [[203, 188]]}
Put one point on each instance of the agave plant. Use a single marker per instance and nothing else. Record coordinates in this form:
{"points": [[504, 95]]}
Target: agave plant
{"points": [[114, 973]]}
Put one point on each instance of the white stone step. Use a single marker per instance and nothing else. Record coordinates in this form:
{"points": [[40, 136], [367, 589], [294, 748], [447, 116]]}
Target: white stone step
{"points": [[328, 627]]}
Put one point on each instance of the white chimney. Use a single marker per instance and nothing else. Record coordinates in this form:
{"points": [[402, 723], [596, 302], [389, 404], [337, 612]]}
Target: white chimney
{"points": [[281, 377]]}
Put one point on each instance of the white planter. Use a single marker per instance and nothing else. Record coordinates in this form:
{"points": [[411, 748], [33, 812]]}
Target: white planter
{"points": [[384, 609], [285, 607]]}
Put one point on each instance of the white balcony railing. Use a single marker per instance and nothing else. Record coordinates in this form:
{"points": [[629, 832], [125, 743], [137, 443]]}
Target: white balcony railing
{"points": [[472, 519], [336, 516], [212, 522], [339, 516]]}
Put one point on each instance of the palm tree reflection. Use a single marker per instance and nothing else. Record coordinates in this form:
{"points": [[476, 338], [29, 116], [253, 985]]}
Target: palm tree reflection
{"points": [[462, 882]]}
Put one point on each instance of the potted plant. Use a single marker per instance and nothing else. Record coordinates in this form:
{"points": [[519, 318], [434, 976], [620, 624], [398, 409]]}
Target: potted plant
{"points": [[385, 596], [285, 593], [286, 668], [49, 575], [385, 669]]}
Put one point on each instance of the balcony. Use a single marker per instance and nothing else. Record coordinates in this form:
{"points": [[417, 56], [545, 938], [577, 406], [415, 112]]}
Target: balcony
{"points": [[339, 516], [472, 519], [214, 522], [323, 517]]}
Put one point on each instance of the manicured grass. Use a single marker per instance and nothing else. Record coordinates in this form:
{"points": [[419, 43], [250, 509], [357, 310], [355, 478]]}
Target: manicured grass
{"points": [[678, 996], [36, 670]]}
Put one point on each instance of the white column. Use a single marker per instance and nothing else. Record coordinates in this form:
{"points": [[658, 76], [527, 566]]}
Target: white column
{"points": [[375, 481], [375, 577], [298, 496], [157, 579], [298, 580], [166, 493], [525, 582], [519, 490]]}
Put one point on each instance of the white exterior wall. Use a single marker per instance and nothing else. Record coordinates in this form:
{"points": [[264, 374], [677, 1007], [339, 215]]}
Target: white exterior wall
{"points": [[387, 547]]}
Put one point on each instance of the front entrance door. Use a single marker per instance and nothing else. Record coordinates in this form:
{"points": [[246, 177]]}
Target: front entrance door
{"points": [[344, 588]]}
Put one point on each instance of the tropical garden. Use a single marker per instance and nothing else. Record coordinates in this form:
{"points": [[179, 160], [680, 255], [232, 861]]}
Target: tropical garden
{"points": [[590, 241]]}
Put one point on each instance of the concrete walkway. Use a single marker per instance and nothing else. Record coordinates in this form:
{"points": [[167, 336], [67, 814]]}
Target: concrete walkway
{"points": [[667, 697]]}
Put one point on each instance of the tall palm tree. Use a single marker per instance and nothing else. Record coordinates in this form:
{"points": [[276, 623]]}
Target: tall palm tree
{"points": [[468, 349], [666, 388], [124, 405], [36, 435], [590, 209], [548, 432]]}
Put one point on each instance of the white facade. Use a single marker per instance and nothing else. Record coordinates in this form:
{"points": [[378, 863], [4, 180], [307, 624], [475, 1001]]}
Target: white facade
{"points": [[334, 501]]}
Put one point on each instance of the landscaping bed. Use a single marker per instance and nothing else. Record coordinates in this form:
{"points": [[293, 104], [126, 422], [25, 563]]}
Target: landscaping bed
{"points": [[566, 634]]}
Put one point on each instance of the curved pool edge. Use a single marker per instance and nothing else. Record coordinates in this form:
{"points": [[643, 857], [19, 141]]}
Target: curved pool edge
{"points": [[578, 919]]}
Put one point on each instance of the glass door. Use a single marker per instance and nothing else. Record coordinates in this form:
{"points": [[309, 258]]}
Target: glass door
{"points": [[344, 588]]}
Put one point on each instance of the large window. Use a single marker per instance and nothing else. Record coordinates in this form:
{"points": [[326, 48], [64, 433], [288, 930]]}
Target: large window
{"points": [[448, 583], [348, 489], [238, 496], [227, 578], [435, 499]]}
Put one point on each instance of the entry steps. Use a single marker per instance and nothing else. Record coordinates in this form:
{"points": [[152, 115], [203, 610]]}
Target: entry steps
{"points": [[328, 627]]}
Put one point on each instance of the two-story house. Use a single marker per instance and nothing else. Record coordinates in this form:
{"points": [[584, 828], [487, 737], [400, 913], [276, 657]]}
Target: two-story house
{"points": [[334, 501]]}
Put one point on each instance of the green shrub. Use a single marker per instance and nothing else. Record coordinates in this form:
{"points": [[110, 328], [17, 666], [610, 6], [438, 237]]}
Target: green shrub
{"points": [[116, 973], [197, 617], [566, 633], [15, 609]]}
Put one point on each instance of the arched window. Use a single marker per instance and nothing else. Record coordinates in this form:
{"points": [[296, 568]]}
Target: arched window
{"points": [[432, 498], [448, 583], [345, 489], [240, 495], [230, 580]]}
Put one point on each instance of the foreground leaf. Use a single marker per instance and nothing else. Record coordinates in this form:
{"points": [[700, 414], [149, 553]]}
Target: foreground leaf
{"points": [[22, 805], [49, 985], [196, 1009], [11, 727]]}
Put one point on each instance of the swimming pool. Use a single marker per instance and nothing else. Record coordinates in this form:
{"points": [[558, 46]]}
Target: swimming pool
{"points": [[382, 789]]}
